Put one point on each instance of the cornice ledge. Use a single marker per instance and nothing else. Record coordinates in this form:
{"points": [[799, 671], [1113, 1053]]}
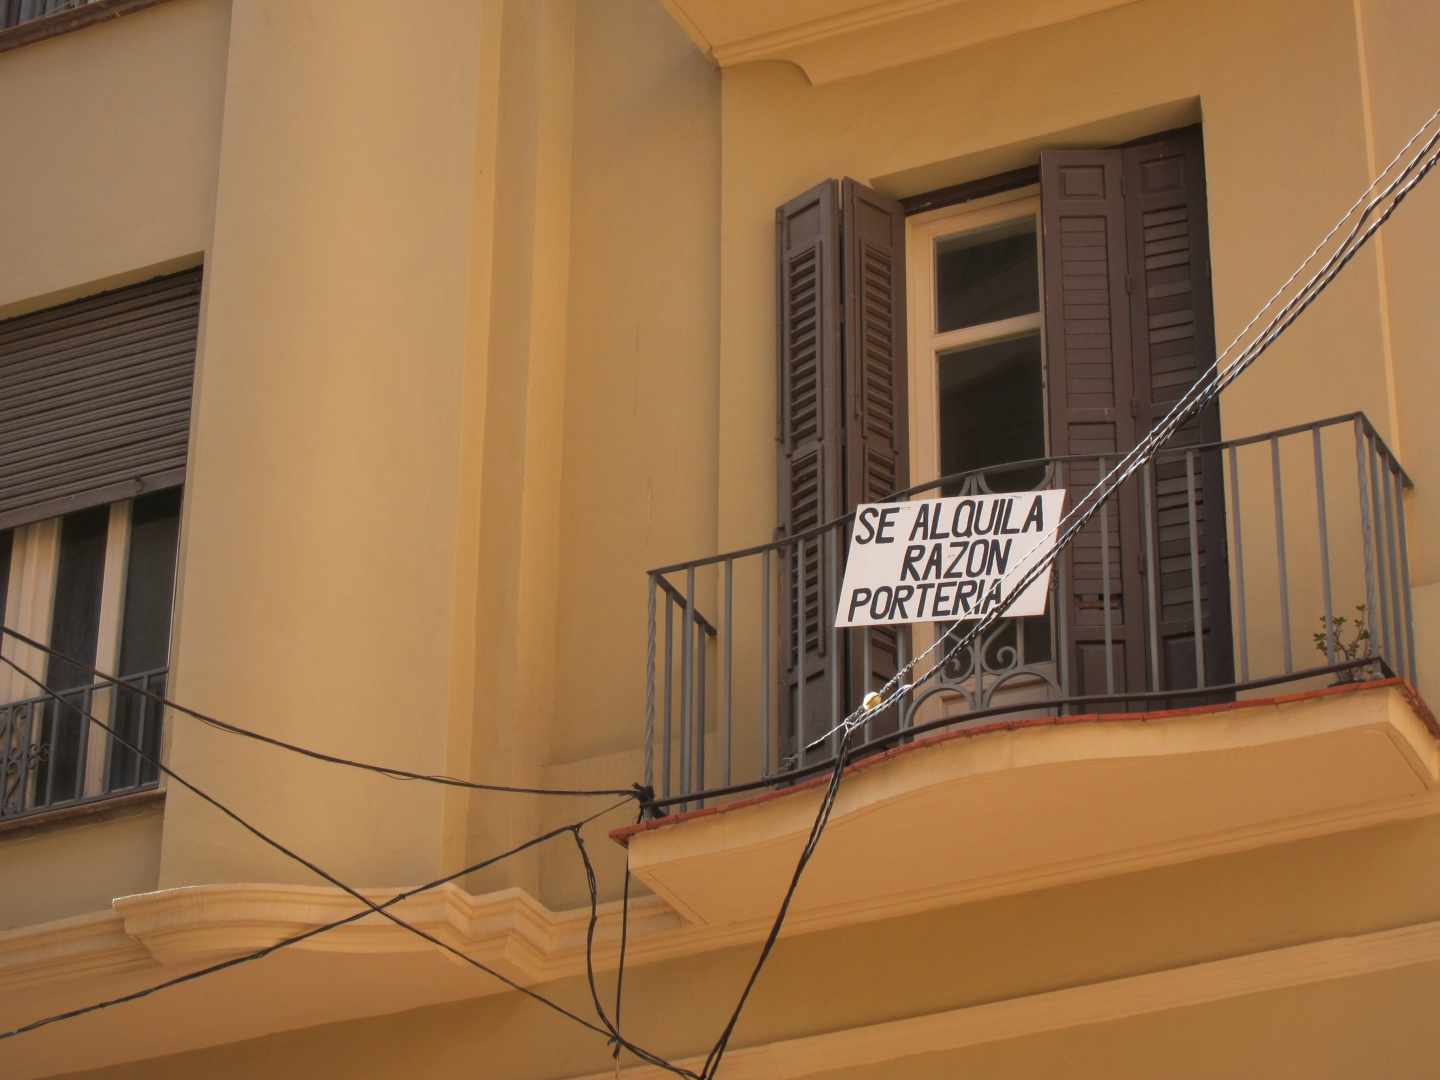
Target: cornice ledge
{"points": [[199, 922], [1078, 1006], [890, 33], [85, 946]]}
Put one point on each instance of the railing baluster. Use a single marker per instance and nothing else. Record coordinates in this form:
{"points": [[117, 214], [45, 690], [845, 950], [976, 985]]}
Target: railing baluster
{"points": [[82, 739], [669, 689], [1405, 576], [832, 559], [729, 663], [1152, 579], [55, 708], [865, 670], [765, 646], [1365, 541], [701, 649], [1326, 597], [1378, 523], [1197, 628], [649, 735], [1237, 523], [1062, 594], [798, 588], [139, 735], [1105, 589], [1282, 581], [1397, 657], [902, 657], [687, 684]]}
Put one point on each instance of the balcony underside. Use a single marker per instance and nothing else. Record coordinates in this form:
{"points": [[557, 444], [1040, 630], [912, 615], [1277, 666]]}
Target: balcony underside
{"points": [[1012, 807]]}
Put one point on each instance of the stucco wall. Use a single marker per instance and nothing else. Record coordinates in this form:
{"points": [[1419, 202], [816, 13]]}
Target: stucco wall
{"points": [[112, 144], [318, 552], [79, 866], [112, 137], [1401, 94], [991, 951]]}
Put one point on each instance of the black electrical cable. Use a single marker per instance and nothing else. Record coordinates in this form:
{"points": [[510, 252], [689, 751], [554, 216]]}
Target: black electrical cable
{"points": [[318, 755], [311, 866], [618, 1040], [624, 936], [713, 1060], [295, 939], [822, 818]]}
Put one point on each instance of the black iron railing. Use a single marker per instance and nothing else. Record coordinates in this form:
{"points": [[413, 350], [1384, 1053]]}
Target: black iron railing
{"points": [[52, 756], [1240, 557]]}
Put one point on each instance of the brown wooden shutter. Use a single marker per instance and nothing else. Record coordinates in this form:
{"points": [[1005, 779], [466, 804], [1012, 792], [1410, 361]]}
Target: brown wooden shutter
{"points": [[1093, 410], [810, 430], [95, 398], [1173, 337], [842, 421], [876, 392]]}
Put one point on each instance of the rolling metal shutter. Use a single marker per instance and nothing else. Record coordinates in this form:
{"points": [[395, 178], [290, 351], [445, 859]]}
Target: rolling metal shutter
{"points": [[95, 398]]}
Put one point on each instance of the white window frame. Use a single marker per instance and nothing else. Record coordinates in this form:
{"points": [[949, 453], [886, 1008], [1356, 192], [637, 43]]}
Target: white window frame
{"points": [[30, 605], [923, 235]]}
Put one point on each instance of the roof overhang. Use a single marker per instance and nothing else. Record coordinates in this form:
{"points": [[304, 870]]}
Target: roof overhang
{"points": [[835, 39]]}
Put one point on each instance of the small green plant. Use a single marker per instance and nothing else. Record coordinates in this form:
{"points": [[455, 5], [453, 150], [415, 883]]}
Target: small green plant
{"points": [[1353, 646]]}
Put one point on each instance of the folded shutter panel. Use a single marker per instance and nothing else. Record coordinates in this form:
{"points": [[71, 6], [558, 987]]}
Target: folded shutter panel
{"points": [[95, 398], [1174, 340], [811, 487], [876, 391], [1091, 399], [842, 426]]}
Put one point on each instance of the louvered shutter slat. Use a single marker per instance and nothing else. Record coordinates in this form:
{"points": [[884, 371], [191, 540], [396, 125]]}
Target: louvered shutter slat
{"points": [[95, 398], [1090, 389], [810, 482], [876, 392], [1174, 340]]}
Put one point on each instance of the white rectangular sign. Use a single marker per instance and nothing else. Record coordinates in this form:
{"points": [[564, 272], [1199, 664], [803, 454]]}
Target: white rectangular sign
{"points": [[941, 559]]}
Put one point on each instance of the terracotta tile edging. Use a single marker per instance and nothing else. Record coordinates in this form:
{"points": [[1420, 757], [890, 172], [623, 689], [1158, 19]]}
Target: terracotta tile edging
{"points": [[622, 835]]}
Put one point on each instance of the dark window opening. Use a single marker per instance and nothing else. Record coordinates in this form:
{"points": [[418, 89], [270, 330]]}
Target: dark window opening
{"points": [[74, 631], [145, 635], [987, 275], [992, 412]]}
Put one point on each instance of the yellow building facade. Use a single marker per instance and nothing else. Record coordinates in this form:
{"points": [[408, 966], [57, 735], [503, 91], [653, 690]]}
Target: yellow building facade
{"points": [[492, 381]]}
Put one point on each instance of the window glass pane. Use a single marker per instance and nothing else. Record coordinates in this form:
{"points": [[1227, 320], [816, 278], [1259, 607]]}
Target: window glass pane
{"points": [[74, 630], [987, 275], [992, 410], [75, 621], [145, 635], [149, 582]]}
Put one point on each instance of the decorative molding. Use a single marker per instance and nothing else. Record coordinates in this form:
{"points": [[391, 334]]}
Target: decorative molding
{"points": [[1058, 1010], [85, 947], [873, 36]]}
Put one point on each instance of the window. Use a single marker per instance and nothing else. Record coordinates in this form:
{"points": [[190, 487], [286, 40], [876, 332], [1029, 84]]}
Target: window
{"points": [[1034, 334], [98, 586], [977, 383], [94, 426]]}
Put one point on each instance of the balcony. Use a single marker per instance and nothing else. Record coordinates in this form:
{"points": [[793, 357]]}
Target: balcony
{"points": [[1205, 710], [52, 758]]}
